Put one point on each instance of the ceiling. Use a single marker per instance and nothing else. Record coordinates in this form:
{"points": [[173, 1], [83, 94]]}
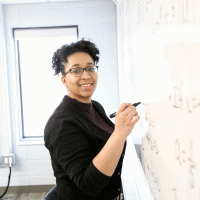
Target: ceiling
{"points": [[33, 1]]}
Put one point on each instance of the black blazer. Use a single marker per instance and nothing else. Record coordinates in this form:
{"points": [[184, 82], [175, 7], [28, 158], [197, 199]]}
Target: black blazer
{"points": [[73, 141]]}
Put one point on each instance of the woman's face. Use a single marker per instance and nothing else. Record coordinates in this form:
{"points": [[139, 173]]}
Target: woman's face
{"points": [[80, 88]]}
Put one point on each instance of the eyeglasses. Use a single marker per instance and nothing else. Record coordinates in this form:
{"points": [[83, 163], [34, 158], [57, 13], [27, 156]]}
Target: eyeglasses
{"points": [[79, 71]]}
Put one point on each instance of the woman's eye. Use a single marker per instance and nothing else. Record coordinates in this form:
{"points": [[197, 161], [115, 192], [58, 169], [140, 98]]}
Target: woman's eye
{"points": [[76, 71], [90, 69]]}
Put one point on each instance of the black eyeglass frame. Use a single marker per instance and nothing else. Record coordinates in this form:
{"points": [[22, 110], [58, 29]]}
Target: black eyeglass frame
{"points": [[82, 69]]}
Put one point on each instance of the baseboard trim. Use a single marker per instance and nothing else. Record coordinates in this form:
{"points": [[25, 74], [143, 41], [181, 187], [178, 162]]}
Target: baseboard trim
{"points": [[26, 189]]}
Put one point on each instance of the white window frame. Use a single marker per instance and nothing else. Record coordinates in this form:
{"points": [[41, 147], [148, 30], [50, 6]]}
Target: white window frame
{"points": [[32, 33]]}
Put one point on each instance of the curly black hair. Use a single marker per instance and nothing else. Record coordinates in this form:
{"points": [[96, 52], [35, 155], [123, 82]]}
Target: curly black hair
{"points": [[60, 55]]}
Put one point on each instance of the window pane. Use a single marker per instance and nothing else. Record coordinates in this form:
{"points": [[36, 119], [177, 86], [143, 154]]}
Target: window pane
{"points": [[41, 90]]}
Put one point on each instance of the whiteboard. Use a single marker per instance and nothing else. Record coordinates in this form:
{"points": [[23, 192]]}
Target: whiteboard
{"points": [[159, 64]]}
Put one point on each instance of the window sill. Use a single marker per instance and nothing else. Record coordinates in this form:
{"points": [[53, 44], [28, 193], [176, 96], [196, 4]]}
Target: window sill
{"points": [[34, 141]]}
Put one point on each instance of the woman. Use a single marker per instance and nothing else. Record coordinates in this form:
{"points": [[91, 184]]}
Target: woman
{"points": [[86, 148]]}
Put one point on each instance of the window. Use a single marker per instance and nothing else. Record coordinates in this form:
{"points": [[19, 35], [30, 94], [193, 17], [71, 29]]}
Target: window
{"points": [[40, 90]]}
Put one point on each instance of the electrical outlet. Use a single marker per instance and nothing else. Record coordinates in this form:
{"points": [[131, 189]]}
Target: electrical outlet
{"points": [[7, 160]]}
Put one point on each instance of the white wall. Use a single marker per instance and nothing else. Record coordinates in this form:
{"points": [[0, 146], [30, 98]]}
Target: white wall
{"points": [[96, 21], [4, 111]]}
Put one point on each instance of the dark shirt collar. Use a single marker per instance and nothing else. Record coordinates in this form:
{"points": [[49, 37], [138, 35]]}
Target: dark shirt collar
{"points": [[84, 107]]}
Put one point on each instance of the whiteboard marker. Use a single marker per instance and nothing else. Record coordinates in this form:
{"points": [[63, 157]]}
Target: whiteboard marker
{"points": [[135, 104]]}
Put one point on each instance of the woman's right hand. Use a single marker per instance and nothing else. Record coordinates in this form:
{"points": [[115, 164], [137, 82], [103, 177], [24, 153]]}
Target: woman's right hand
{"points": [[125, 120]]}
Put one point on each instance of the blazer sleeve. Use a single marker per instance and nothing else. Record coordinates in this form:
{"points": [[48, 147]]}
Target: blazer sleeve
{"points": [[73, 152]]}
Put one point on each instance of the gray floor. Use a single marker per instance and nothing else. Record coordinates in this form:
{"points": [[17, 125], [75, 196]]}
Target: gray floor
{"points": [[36, 192], [25, 196]]}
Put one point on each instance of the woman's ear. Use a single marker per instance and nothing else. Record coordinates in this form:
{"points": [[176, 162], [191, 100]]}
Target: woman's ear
{"points": [[64, 81]]}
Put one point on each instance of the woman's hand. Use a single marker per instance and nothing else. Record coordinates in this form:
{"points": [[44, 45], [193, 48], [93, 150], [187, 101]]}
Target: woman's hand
{"points": [[125, 120], [107, 159]]}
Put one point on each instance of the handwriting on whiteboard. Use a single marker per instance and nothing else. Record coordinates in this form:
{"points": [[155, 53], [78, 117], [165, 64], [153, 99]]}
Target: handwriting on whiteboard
{"points": [[192, 102], [185, 158], [172, 11]]}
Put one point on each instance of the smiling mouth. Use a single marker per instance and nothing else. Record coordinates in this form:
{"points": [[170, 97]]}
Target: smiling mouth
{"points": [[86, 85]]}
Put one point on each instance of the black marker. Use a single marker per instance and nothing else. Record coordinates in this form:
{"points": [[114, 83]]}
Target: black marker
{"points": [[135, 104]]}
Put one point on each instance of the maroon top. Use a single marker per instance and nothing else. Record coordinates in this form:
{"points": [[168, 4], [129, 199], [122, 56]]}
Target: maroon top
{"points": [[90, 111]]}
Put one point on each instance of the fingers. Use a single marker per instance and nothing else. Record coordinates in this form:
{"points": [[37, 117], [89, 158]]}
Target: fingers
{"points": [[126, 112], [131, 114], [123, 106], [130, 111], [126, 118], [135, 119], [126, 109]]}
